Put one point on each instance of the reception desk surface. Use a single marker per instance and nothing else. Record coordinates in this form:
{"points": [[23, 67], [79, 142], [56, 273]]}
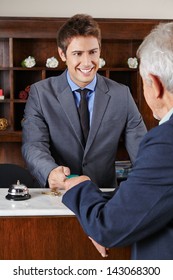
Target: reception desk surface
{"points": [[43, 228], [41, 203]]}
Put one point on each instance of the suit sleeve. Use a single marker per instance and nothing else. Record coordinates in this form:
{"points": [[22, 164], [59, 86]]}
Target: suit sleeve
{"points": [[135, 128], [141, 206], [35, 138]]}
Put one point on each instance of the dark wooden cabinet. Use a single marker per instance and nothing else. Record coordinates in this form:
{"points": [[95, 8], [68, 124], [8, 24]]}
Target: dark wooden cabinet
{"points": [[23, 37]]}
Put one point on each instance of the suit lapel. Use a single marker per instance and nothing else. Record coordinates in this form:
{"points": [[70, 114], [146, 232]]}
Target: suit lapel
{"points": [[100, 104], [66, 99]]}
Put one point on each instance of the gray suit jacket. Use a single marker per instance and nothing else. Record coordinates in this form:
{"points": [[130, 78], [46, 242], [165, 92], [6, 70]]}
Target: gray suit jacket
{"points": [[52, 133]]}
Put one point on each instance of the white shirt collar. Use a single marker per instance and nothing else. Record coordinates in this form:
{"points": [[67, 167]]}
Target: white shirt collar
{"points": [[166, 117]]}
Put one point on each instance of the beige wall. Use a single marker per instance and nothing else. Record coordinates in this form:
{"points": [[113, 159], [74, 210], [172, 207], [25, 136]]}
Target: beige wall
{"points": [[158, 9]]}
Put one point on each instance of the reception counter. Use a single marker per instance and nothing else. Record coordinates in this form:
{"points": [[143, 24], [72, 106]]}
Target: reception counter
{"points": [[43, 228]]}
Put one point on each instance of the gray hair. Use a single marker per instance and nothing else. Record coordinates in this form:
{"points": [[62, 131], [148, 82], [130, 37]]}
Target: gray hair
{"points": [[156, 55]]}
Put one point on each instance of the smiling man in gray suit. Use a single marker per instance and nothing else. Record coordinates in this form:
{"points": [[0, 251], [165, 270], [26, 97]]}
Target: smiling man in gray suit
{"points": [[52, 136]]}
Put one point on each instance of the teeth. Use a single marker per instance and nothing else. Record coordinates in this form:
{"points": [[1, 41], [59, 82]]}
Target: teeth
{"points": [[85, 70]]}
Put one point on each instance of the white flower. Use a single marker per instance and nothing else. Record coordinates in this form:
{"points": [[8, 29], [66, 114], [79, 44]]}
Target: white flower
{"points": [[29, 62], [52, 62], [132, 62], [102, 62]]}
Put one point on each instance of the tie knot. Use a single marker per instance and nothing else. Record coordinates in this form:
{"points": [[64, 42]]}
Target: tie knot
{"points": [[83, 91]]}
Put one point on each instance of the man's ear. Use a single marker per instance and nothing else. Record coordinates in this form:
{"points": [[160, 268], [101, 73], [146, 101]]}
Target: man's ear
{"points": [[61, 54], [157, 86]]}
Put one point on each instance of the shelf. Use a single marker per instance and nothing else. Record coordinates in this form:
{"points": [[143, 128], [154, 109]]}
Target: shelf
{"points": [[9, 136], [23, 37], [58, 69]]}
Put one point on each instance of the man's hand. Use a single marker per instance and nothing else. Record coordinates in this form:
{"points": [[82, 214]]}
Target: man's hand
{"points": [[102, 250], [57, 177], [69, 183]]}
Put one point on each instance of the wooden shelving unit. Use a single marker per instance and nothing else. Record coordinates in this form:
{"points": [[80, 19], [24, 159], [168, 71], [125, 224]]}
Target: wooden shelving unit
{"points": [[21, 37]]}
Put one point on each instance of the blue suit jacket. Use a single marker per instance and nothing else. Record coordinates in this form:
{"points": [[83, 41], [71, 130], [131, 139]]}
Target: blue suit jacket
{"points": [[52, 133], [141, 211]]}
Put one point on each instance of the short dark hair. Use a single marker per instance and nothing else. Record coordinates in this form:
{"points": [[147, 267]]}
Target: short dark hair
{"points": [[78, 25]]}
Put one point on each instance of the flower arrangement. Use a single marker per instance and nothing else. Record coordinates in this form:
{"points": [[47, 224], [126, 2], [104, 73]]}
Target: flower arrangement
{"points": [[102, 62], [28, 62], [52, 62], [132, 62]]}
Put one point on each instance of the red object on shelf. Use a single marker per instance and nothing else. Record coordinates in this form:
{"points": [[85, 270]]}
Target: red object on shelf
{"points": [[23, 94], [1, 92]]}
